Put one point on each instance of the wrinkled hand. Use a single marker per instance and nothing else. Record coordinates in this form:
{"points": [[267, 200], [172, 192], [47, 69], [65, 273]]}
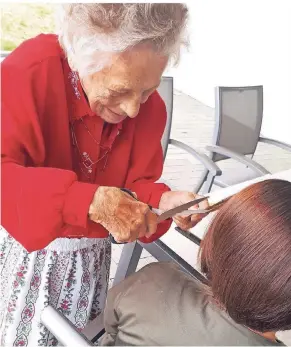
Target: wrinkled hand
{"points": [[125, 218], [173, 199]]}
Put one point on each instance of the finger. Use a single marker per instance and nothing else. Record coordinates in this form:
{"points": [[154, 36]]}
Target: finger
{"points": [[118, 240], [188, 223], [121, 237], [138, 220], [204, 205], [182, 220], [124, 233], [129, 231], [195, 218], [152, 223], [140, 232], [194, 207], [183, 223], [189, 197], [183, 226], [140, 229]]}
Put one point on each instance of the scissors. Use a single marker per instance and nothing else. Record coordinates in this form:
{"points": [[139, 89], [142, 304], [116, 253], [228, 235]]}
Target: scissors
{"points": [[182, 210]]}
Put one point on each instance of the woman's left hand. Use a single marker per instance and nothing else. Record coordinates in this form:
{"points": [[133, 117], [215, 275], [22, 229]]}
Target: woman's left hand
{"points": [[173, 199]]}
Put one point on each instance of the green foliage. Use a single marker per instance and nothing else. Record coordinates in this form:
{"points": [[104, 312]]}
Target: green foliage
{"points": [[22, 21]]}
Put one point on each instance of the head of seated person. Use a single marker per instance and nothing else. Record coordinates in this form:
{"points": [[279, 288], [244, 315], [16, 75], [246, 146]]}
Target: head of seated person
{"points": [[245, 256]]}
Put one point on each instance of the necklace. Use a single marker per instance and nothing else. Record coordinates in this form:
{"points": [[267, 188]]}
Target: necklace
{"points": [[86, 162]]}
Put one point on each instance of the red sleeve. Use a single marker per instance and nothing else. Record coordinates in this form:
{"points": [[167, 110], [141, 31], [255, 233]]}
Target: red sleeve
{"points": [[36, 201], [147, 159]]}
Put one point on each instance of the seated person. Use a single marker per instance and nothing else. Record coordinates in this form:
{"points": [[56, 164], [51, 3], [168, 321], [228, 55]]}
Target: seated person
{"points": [[246, 258]]}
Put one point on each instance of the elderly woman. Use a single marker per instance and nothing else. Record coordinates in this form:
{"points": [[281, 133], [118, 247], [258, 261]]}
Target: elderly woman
{"points": [[81, 118]]}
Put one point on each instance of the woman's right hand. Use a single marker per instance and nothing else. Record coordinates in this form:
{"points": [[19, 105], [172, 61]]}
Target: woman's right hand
{"points": [[125, 218]]}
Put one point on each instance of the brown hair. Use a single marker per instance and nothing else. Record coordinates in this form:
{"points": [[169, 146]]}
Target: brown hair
{"points": [[246, 256]]}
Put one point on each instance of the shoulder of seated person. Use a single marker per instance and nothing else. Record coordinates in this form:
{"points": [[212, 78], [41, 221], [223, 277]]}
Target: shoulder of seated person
{"points": [[159, 268], [161, 272], [156, 267]]}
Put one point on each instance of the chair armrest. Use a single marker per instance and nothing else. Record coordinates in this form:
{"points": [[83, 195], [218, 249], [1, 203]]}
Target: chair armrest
{"points": [[276, 143], [203, 158], [238, 157], [60, 326]]}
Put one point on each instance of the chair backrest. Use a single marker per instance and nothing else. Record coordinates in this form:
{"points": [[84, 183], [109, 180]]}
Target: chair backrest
{"points": [[3, 54], [238, 119], [166, 91]]}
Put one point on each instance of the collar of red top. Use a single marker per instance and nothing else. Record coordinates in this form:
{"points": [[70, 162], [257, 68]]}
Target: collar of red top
{"points": [[80, 106]]}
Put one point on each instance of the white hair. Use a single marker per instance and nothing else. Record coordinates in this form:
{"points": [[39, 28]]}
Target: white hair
{"points": [[85, 29]]}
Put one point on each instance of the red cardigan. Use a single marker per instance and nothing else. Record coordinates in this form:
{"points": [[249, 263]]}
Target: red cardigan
{"points": [[45, 195]]}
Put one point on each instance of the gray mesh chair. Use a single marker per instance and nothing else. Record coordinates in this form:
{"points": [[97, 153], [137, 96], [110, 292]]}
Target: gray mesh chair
{"points": [[238, 120], [3, 55]]}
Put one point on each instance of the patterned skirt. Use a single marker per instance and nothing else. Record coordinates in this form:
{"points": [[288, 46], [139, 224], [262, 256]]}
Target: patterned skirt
{"points": [[70, 274]]}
